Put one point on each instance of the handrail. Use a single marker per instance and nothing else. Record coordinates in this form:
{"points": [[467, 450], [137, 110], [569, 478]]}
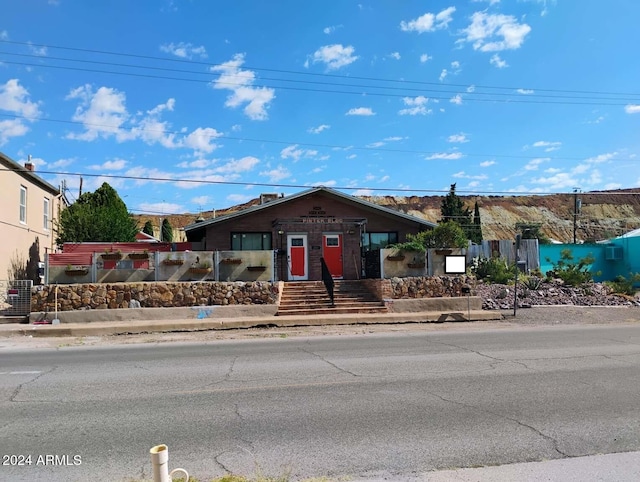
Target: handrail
{"points": [[327, 279]]}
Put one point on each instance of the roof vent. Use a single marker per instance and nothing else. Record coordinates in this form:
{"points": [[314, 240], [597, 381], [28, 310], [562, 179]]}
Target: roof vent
{"points": [[267, 197], [199, 219]]}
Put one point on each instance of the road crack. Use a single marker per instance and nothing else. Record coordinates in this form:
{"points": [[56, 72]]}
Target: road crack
{"points": [[339, 368], [19, 388], [479, 353]]}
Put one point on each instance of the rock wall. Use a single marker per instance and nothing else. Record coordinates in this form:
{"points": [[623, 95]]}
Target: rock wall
{"points": [[126, 295], [418, 287]]}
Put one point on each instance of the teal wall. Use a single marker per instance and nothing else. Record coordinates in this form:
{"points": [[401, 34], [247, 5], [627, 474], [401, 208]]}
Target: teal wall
{"points": [[608, 269]]}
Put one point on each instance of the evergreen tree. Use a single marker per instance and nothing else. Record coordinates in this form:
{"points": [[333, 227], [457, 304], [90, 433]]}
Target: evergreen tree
{"points": [[148, 228], [476, 233], [99, 216], [167, 231], [453, 209]]}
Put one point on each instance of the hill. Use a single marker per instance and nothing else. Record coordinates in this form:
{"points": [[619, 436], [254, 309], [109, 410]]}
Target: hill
{"points": [[604, 214]]}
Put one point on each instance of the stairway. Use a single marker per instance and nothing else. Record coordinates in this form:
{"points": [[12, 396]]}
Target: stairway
{"points": [[311, 298]]}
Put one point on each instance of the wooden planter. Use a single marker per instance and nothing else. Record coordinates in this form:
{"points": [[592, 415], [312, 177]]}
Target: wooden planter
{"points": [[397, 257], [231, 260], [199, 270], [256, 268], [76, 272], [444, 251], [415, 265], [138, 256], [173, 262], [111, 256]]}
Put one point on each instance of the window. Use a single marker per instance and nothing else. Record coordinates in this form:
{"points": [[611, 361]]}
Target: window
{"points": [[250, 241], [371, 241], [45, 219], [23, 204]]}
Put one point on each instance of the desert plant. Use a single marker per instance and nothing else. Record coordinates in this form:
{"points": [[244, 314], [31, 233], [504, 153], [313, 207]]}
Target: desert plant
{"points": [[494, 270], [623, 285], [571, 272], [532, 282]]}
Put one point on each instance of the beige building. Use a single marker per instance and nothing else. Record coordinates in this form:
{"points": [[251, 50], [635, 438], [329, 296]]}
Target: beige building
{"points": [[30, 209]]}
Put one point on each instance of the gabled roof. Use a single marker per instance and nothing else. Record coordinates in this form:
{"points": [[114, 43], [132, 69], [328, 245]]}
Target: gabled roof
{"points": [[143, 237], [27, 174], [308, 192]]}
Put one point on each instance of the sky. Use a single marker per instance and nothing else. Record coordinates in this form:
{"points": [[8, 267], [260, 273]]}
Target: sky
{"points": [[194, 105]]}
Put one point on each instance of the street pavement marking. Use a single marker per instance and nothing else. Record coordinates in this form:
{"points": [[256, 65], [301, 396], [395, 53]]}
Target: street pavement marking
{"points": [[21, 373]]}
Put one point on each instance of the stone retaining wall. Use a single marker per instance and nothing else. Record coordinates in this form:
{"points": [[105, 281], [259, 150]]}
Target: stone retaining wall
{"points": [[418, 287], [160, 294]]}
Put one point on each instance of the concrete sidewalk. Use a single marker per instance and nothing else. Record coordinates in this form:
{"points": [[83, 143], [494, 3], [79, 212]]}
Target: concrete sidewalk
{"points": [[200, 320]]}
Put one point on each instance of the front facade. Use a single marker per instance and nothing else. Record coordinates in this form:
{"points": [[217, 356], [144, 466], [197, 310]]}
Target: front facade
{"points": [[30, 207], [305, 227]]}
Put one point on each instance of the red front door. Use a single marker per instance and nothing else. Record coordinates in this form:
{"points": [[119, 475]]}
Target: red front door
{"points": [[297, 257], [332, 253]]}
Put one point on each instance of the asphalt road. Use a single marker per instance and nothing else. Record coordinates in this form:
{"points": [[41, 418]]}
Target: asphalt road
{"points": [[373, 405]]}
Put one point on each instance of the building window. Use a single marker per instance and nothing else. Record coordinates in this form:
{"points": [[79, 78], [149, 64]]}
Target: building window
{"points": [[23, 204], [45, 219], [250, 241], [371, 241]]}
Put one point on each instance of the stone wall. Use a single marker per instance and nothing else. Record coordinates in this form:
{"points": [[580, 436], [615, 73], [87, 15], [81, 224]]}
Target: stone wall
{"points": [[418, 287], [161, 294]]}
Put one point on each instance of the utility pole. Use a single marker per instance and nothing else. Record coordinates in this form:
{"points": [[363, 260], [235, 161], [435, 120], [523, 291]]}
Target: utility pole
{"points": [[577, 204]]}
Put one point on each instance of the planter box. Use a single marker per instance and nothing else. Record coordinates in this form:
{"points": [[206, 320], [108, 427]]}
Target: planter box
{"points": [[398, 257], [200, 270], [115, 256], [415, 265], [138, 256], [76, 272], [173, 262], [256, 268], [231, 260]]}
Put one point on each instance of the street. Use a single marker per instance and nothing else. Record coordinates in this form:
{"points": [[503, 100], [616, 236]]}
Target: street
{"points": [[364, 406]]}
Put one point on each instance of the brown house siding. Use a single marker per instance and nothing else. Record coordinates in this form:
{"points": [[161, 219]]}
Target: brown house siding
{"points": [[327, 214]]}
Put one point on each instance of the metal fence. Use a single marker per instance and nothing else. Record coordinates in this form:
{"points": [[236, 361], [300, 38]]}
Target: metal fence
{"points": [[15, 297]]}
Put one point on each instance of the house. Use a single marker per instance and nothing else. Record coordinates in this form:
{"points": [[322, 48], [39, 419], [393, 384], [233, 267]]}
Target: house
{"points": [[30, 210], [302, 228]]}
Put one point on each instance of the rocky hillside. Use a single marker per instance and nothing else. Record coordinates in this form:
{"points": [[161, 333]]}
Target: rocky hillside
{"points": [[604, 214]]}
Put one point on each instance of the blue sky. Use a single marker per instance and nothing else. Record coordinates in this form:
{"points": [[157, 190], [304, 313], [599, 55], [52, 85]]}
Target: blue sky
{"points": [[381, 97]]}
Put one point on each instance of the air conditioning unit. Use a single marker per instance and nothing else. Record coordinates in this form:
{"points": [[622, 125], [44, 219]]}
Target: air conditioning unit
{"points": [[613, 253]]}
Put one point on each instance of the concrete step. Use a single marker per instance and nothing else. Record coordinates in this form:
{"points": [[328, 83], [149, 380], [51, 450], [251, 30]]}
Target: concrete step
{"points": [[326, 302], [333, 311]]}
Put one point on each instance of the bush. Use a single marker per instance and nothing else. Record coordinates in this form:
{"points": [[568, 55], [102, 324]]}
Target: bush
{"points": [[624, 286], [494, 270], [532, 282], [572, 273]]}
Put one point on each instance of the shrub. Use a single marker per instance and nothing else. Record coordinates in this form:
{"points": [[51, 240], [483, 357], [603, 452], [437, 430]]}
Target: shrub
{"points": [[572, 273], [624, 285], [532, 282], [494, 270]]}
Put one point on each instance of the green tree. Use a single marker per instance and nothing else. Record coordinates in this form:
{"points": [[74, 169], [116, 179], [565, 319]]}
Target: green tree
{"points": [[99, 216], [453, 209], [148, 228], [532, 231], [167, 231], [476, 231], [446, 235]]}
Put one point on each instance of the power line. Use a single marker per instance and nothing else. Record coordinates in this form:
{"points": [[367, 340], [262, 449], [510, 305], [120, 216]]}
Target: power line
{"points": [[470, 95], [303, 73], [306, 144], [325, 91]]}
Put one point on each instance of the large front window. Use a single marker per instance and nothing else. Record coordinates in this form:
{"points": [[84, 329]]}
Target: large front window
{"points": [[371, 241], [250, 241]]}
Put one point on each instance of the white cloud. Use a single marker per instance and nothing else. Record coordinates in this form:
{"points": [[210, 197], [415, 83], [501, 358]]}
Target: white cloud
{"points": [[395, 55], [102, 113], [318, 169], [455, 65], [236, 127], [62, 163], [443, 75], [363, 192], [487, 163], [4, 35], [197, 164], [424, 58], [471, 89], [335, 56], [235, 166], [525, 91], [39, 50], [11, 128], [151, 129], [184, 50], [115, 165], [364, 111], [145, 175], [239, 198], [384, 178], [255, 99], [498, 62], [295, 153], [319, 129], [429, 22], [534, 164], [201, 140], [456, 99], [611, 186], [329, 30], [375, 144], [15, 98], [601, 158], [632, 109], [458, 138], [163, 207], [394, 138], [548, 145], [445, 155], [415, 106], [322, 183], [352, 156], [201, 200], [495, 32], [464, 175], [277, 174]]}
